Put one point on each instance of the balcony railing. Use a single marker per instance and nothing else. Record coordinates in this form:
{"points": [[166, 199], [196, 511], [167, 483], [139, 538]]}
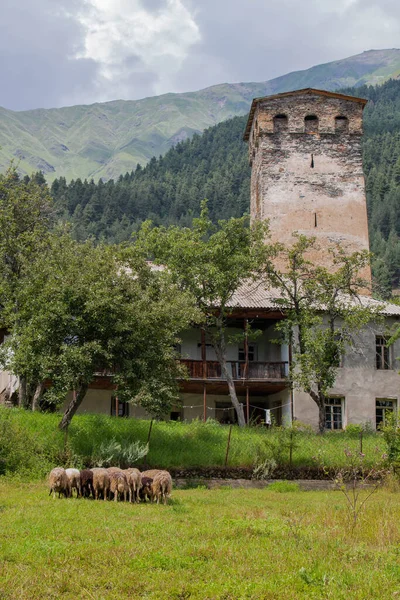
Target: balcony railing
{"points": [[256, 370]]}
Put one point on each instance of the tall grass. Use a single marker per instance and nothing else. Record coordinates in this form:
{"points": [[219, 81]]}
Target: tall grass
{"points": [[31, 444]]}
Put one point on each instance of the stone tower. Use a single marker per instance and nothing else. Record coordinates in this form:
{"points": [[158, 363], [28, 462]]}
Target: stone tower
{"points": [[307, 175]]}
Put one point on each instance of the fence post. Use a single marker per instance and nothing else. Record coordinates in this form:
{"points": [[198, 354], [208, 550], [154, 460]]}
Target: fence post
{"points": [[361, 441], [227, 446], [147, 443]]}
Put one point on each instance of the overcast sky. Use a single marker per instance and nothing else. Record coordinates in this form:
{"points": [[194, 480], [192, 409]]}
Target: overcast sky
{"points": [[61, 52]]}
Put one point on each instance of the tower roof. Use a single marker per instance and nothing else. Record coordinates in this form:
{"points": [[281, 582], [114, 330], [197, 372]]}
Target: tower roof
{"points": [[303, 92]]}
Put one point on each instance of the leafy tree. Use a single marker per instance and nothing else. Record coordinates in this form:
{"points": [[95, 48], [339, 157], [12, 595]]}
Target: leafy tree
{"points": [[85, 310], [210, 262], [25, 211], [322, 311]]}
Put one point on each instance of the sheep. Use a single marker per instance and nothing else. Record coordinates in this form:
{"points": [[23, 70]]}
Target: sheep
{"points": [[145, 491], [150, 473], [74, 477], [59, 482], [162, 486], [134, 479], [101, 482], [114, 470], [87, 483], [118, 485]]}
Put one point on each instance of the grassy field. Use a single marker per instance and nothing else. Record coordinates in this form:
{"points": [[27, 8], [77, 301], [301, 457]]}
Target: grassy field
{"points": [[207, 544], [31, 445]]}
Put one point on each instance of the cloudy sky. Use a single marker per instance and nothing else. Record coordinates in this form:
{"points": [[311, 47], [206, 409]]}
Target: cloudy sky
{"points": [[61, 52]]}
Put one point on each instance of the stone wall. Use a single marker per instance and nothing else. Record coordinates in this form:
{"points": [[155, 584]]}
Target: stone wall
{"points": [[307, 172]]}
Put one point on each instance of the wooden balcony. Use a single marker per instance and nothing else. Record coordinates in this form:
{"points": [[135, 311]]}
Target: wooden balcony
{"points": [[254, 371]]}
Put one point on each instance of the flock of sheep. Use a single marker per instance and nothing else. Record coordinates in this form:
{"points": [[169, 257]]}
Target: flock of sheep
{"points": [[112, 483]]}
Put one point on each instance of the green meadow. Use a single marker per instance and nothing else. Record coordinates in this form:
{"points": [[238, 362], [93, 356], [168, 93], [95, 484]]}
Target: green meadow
{"points": [[206, 544]]}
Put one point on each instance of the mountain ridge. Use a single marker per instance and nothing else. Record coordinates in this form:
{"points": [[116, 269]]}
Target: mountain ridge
{"points": [[103, 140]]}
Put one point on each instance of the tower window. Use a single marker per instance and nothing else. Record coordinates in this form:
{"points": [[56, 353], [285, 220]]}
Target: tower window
{"points": [[311, 124], [312, 161], [341, 124], [280, 123], [315, 220]]}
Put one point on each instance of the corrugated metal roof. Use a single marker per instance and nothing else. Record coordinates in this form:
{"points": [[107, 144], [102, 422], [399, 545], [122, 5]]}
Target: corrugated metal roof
{"points": [[254, 295]]}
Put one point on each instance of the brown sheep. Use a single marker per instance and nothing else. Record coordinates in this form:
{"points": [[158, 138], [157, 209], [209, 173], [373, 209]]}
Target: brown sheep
{"points": [[101, 482], [162, 486], [134, 479], [59, 482], [114, 470], [145, 491], [118, 485], [74, 477], [87, 483]]}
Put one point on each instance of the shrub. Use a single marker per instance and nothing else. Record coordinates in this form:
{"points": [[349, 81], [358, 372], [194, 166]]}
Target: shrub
{"points": [[112, 453]]}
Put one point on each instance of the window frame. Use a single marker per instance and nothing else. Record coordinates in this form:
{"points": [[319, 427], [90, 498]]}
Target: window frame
{"points": [[383, 354], [331, 403], [384, 409]]}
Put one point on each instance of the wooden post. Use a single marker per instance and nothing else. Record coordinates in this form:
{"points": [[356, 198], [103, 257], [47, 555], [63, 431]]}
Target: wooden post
{"points": [[116, 406], [248, 404], [204, 402], [246, 349], [227, 446], [204, 352]]}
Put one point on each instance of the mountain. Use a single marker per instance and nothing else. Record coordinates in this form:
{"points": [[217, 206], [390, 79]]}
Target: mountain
{"points": [[105, 139]]}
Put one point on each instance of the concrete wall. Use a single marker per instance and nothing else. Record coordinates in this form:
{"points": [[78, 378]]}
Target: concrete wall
{"points": [[312, 182], [359, 382]]}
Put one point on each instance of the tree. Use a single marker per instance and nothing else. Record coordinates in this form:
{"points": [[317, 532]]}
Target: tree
{"points": [[210, 262], [25, 211], [323, 309], [88, 309]]}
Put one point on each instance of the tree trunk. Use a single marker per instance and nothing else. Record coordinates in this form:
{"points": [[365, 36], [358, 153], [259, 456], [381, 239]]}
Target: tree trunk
{"points": [[37, 395], [321, 417], [73, 406], [22, 392], [231, 385]]}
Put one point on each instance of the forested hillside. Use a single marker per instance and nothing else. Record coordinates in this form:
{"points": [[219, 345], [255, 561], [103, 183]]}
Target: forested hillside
{"points": [[215, 166]]}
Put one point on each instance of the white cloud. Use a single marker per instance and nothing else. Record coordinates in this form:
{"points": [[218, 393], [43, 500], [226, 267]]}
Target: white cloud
{"points": [[128, 40]]}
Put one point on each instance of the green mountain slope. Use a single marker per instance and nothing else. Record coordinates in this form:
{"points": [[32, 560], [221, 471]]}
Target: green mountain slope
{"points": [[104, 140]]}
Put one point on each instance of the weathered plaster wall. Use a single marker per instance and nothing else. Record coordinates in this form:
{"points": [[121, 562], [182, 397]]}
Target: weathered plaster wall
{"points": [[359, 382], [326, 200]]}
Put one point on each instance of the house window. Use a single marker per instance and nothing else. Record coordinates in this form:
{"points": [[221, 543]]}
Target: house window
{"points": [[341, 124], [311, 124], [280, 123], [334, 413], [383, 353], [252, 351], [121, 411], [383, 407], [175, 415]]}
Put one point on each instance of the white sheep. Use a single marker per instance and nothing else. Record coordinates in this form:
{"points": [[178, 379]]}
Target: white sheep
{"points": [[74, 476], [59, 482]]}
